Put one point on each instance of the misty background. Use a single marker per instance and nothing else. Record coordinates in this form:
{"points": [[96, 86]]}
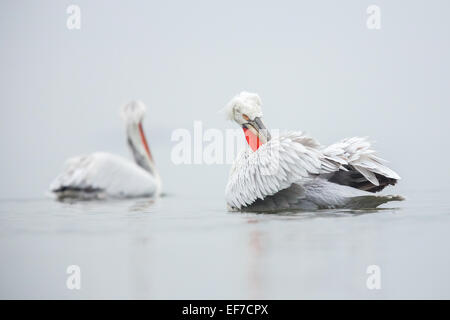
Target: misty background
{"points": [[316, 66]]}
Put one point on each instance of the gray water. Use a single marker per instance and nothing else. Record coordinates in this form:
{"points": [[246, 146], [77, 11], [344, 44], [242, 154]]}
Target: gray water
{"points": [[190, 247]]}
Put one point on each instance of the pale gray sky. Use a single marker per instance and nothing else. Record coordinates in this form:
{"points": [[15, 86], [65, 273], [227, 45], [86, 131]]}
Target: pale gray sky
{"points": [[315, 65]]}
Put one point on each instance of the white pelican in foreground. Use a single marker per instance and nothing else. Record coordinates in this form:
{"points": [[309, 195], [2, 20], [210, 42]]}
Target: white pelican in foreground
{"points": [[102, 175], [293, 171]]}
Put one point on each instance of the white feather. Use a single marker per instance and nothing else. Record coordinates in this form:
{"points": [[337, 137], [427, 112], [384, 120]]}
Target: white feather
{"points": [[290, 171], [133, 112], [110, 175]]}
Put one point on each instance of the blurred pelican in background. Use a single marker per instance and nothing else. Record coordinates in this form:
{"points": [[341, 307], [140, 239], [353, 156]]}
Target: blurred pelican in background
{"points": [[103, 175], [293, 171]]}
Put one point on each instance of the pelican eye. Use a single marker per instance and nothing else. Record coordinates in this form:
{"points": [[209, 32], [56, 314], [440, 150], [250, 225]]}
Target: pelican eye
{"points": [[245, 117]]}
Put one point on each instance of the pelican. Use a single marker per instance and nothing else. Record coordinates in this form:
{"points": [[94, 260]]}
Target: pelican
{"points": [[103, 175], [293, 171]]}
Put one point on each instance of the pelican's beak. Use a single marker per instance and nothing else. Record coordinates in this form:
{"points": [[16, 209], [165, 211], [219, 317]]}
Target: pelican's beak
{"points": [[144, 141], [258, 128]]}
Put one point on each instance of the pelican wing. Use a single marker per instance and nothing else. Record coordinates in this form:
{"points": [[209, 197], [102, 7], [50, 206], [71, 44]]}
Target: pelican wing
{"points": [[275, 166], [102, 175], [360, 167]]}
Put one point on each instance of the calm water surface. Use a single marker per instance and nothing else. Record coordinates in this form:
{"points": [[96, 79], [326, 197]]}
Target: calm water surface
{"points": [[190, 247]]}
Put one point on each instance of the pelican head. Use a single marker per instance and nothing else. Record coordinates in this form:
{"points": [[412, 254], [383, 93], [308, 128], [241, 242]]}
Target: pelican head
{"points": [[245, 110], [133, 114]]}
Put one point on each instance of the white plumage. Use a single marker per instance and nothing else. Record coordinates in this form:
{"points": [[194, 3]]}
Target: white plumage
{"points": [[102, 175], [293, 171]]}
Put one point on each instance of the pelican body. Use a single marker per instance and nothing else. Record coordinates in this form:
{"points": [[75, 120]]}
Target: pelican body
{"points": [[103, 175], [293, 171]]}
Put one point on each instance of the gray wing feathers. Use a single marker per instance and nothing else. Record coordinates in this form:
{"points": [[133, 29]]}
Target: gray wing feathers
{"points": [[296, 159], [356, 154], [292, 158]]}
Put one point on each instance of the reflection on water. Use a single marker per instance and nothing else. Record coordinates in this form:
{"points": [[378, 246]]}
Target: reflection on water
{"points": [[142, 205], [323, 213], [182, 247], [256, 253]]}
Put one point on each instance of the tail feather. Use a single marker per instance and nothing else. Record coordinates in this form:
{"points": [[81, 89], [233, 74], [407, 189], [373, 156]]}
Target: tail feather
{"points": [[371, 201], [360, 167], [356, 179]]}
